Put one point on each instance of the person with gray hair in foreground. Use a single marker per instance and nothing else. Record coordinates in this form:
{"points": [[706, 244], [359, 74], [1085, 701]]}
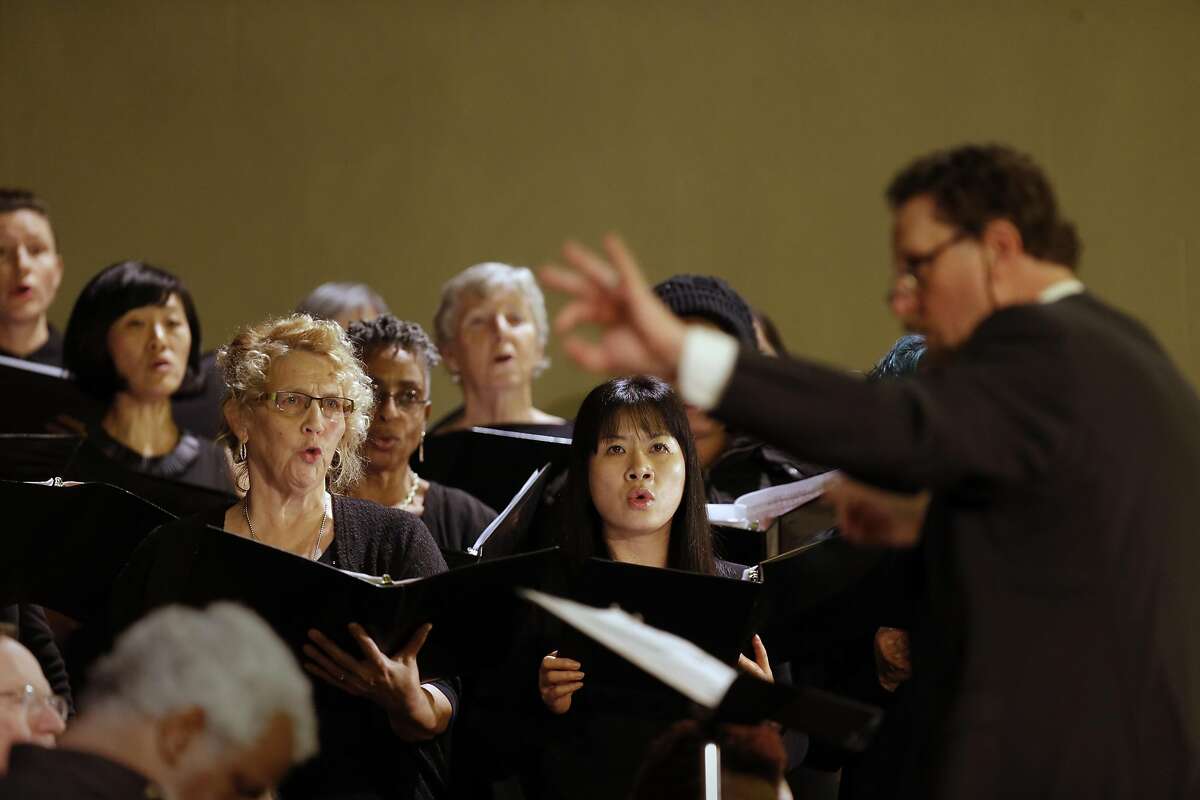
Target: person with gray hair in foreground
{"points": [[189, 705]]}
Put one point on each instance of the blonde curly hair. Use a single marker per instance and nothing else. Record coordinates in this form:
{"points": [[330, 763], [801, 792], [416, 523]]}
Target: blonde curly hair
{"points": [[246, 364]]}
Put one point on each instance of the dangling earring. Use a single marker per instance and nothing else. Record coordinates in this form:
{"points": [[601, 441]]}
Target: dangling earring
{"points": [[421, 449], [241, 453]]}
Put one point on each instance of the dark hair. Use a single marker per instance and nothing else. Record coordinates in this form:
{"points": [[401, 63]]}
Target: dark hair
{"points": [[903, 359], [975, 184], [330, 299], [12, 199], [369, 336], [673, 767], [117, 289], [650, 405]]}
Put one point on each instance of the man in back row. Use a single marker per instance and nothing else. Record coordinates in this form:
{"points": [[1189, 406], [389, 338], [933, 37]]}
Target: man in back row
{"points": [[30, 272], [1058, 654]]}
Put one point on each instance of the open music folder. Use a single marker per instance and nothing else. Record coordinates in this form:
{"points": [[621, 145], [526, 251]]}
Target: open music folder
{"points": [[719, 691], [490, 463], [471, 608]]}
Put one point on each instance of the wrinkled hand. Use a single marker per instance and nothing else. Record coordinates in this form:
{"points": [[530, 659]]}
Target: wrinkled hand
{"points": [[874, 517], [558, 680], [639, 334], [393, 683], [893, 663], [760, 667]]}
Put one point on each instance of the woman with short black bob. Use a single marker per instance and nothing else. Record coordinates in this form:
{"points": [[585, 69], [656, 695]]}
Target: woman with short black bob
{"points": [[133, 342]]}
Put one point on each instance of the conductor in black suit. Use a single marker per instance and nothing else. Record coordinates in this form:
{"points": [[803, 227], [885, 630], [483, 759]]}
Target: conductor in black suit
{"points": [[1056, 450]]}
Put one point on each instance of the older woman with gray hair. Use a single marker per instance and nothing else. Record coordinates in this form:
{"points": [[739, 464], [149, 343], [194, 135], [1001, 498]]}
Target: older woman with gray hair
{"points": [[492, 330], [297, 411], [398, 357]]}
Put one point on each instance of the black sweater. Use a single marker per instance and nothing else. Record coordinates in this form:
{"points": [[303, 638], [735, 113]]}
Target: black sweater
{"points": [[360, 756]]}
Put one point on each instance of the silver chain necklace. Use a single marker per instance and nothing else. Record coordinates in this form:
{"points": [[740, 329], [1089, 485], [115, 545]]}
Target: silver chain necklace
{"points": [[316, 549]]}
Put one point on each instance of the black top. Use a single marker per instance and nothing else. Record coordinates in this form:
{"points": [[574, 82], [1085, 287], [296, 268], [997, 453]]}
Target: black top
{"points": [[593, 751], [194, 460], [34, 632], [39, 773], [360, 756], [1057, 652], [454, 518], [50, 353]]}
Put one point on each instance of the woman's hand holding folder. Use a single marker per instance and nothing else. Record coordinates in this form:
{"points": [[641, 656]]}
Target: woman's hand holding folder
{"points": [[558, 680], [417, 711]]}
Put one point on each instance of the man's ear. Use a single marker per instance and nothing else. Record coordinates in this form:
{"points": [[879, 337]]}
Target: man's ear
{"points": [[1002, 242], [177, 731]]}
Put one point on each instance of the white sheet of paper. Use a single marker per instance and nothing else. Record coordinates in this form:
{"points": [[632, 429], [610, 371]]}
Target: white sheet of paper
{"points": [[753, 507], [503, 515], [673, 660]]}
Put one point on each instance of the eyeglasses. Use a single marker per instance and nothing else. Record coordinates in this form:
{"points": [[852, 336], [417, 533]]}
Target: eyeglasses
{"points": [[296, 403], [405, 398], [30, 700], [909, 280]]}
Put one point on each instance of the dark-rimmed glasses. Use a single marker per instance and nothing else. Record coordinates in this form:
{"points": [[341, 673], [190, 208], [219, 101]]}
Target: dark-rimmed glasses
{"points": [[29, 699], [294, 404], [409, 398], [909, 281]]}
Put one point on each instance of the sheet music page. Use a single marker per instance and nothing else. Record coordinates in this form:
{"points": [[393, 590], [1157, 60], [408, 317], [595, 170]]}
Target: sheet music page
{"points": [[503, 515], [751, 509], [673, 660]]}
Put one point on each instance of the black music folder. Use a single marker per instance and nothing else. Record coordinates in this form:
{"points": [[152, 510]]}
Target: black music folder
{"points": [[717, 615], [717, 691], [35, 396], [41, 457], [65, 544], [471, 608], [806, 591], [489, 463], [509, 533]]}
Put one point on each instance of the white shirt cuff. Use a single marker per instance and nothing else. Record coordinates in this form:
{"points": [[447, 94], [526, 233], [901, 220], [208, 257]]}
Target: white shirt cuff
{"points": [[705, 366]]}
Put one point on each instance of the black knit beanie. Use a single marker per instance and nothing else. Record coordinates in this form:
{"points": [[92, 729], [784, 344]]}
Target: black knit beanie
{"points": [[711, 298]]}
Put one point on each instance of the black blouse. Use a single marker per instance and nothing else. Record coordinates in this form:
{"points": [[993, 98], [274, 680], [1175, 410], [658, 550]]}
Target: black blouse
{"points": [[360, 756]]}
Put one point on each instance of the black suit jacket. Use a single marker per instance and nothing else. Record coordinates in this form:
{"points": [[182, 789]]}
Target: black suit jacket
{"points": [[1059, 652]]}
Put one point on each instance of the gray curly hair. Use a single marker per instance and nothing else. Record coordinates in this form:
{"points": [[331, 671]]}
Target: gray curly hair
{"points": [[246, 364]]}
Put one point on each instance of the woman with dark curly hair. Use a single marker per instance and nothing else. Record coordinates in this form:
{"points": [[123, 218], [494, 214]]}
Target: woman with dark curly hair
{"points": [[398, 357]]}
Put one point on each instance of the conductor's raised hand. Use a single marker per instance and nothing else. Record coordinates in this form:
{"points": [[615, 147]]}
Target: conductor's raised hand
{"points": [[873, 517], [558, 680], [638, 333]]}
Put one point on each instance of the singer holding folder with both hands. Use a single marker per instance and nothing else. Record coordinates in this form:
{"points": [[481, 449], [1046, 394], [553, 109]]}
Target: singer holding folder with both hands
{"points": [[297, 411], [634, 494]]}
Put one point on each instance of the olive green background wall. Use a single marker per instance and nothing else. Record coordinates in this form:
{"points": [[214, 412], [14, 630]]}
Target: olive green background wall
{"points": [[259, 148]]}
